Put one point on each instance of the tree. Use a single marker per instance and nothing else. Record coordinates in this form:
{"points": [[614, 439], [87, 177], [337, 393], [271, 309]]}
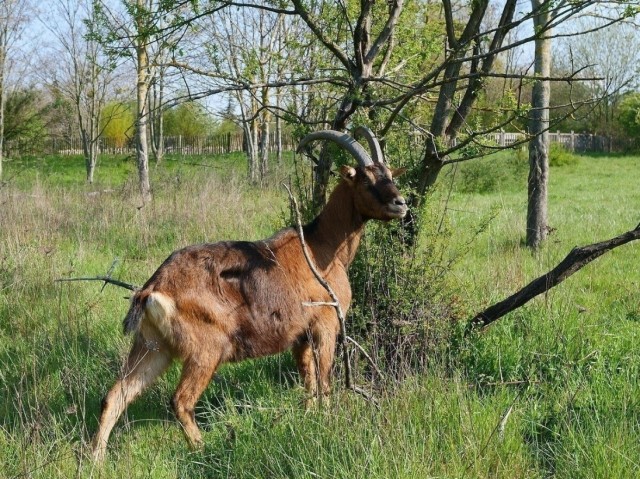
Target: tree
{"points": [[187, 119], [250, 47], [13, 21], [537, 227], [81, 72], [629, 116], [610, 56], [118, 122], [26, 116]]}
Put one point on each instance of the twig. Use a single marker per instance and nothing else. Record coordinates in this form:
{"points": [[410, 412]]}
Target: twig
{"points": [[110, 272], [366, 355], [365, 395], [319, 303], [106, 279], [326, 286]]}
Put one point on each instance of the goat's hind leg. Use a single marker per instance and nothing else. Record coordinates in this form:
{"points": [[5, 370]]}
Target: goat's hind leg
{"points": [[142, 367], [197, 372]]}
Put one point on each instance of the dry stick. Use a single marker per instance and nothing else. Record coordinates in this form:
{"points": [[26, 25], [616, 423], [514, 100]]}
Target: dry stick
{"points": [[325, 285], [366, 355], [576, 259], [105, 279]]}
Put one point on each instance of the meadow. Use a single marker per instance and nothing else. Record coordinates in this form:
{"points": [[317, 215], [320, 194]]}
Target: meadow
{"points": [[551, 390]]}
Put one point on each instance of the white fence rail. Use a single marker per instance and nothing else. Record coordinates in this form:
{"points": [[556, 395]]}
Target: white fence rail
{"points": [[216, 144], [577, 142], [234, 142]]}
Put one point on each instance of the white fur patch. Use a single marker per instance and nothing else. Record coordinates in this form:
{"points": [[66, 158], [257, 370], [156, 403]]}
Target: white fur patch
{"points": [[160, 310]]}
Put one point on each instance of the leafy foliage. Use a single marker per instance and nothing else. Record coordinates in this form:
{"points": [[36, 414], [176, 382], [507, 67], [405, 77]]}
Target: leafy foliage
{"points": [[499, 172], [188, 119], [118, 122], [25, 116], [629, 115], [560, 156]]}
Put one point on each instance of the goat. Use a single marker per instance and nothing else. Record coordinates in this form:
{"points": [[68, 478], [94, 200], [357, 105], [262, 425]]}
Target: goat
{"points": [[224, 302]]}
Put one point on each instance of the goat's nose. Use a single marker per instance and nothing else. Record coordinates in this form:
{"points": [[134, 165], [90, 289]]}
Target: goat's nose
{"points": [[399, 201]]}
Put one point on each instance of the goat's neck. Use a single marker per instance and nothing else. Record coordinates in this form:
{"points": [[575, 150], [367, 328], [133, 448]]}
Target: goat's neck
{"points": [[335, 234]]}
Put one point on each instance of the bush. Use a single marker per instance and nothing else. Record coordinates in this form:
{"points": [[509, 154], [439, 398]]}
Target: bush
{"points": [[404, 312], [506, 170], [560, 156]]}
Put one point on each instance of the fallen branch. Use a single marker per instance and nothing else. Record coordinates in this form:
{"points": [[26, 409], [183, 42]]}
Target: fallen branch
{"points": [[575, 260]]}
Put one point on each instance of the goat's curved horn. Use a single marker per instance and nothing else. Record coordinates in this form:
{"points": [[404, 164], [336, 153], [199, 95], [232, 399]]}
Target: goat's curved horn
{"points": [[372, 141], [341, 139]]}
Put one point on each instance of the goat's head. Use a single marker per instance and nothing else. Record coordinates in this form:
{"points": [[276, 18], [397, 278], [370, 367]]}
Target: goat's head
{"points": [[375, 194]]}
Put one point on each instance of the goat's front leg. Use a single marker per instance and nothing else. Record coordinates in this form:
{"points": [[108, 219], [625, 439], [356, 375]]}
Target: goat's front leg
{"points": [[304, 355], [314, 354]]}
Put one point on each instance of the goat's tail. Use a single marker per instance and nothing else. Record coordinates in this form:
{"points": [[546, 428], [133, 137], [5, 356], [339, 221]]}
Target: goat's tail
{"points": [[132, 320], [157, 307]]}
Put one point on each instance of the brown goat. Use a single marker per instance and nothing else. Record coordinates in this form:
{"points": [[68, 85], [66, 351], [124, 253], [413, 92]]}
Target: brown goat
{"points": [[214, 303]]}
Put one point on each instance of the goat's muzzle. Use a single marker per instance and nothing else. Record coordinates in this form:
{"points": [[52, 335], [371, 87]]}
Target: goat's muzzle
{"points": [[397, 208]]}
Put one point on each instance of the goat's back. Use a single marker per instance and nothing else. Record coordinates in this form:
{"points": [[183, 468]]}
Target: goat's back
{"points": [[244, 297]]}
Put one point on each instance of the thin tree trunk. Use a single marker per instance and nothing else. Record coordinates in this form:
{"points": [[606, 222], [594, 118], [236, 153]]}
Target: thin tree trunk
{"points": [[537, 226], [278, 131], [264, 149], [253, 149], [142, 90], [264, 137], [156, 123], [2, 107], [3, 92]]}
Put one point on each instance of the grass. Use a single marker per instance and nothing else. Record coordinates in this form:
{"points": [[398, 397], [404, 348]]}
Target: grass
{"points": [[552, 390]]}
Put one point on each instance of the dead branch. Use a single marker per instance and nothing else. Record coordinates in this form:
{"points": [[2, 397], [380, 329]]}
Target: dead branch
{"points": [[366, 355], [105, 279], [326, 286], [575, 260]]}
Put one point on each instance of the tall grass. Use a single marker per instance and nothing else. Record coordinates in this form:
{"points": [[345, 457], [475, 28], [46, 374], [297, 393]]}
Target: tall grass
{"points": [[550, 391]]}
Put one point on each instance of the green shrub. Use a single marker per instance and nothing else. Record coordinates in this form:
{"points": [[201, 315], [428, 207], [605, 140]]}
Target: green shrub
{"points": [[560, 156], [506, 170]]}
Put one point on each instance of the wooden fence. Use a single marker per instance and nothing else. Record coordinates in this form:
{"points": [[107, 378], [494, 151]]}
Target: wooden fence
{"points": [[217, 144], [234, 142], [576, 142]]}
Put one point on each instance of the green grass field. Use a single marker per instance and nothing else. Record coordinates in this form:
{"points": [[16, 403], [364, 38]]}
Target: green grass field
{"points": [[552, 390]]}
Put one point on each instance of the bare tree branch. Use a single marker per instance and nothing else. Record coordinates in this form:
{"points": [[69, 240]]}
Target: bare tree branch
{"points": [[327, 287], [574, 261]]}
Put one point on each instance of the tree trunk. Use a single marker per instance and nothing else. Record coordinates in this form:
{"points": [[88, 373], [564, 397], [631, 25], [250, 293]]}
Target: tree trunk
{"points": [[2, 103], [3, 93], [264, 137], [142, 121], [537, 226], [278, 131], [264, 149], [156, 123], [322, 171]]}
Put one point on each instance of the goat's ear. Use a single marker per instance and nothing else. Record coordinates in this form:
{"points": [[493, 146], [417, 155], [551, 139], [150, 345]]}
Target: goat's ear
{"points": [[347, 172], [395, 172]]}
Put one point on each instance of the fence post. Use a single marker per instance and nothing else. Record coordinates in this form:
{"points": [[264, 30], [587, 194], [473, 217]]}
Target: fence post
{"points": [[573, 141]]}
